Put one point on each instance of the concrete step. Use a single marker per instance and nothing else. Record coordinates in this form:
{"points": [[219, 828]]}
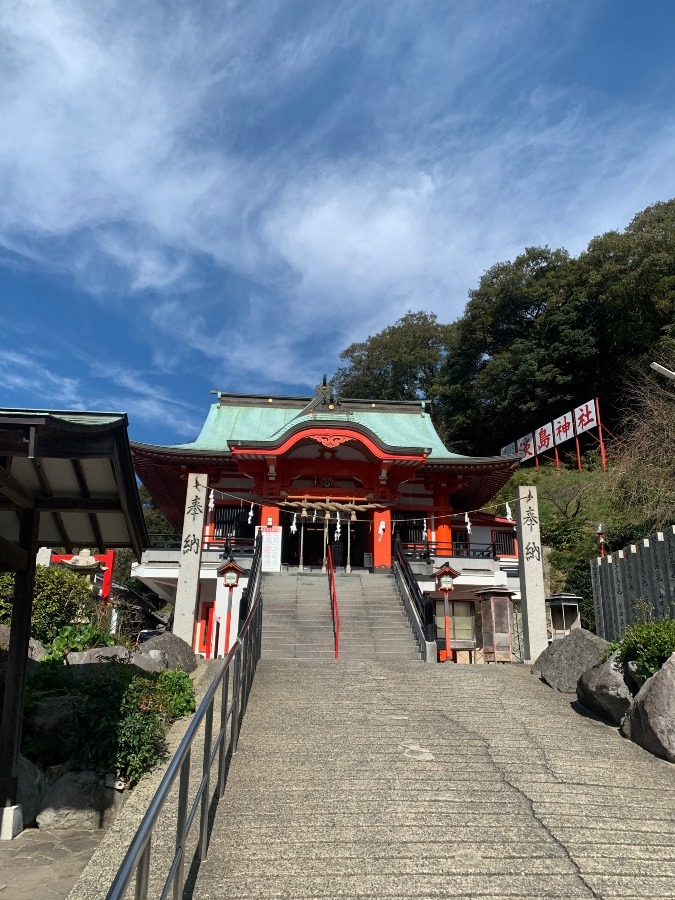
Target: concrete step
{"points": [[297, 619]]}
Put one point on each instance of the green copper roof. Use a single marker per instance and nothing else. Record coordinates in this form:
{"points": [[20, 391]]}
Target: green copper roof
{"points": [[264, 421]]}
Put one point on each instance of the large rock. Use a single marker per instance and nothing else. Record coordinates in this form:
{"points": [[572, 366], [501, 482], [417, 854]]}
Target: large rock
{"points": [[564, 661], [79, 800], [51, 715], [89, 663], [603, 689], [32, 787], [36, 651], [636, 680], [175, 653], [650, 721]]}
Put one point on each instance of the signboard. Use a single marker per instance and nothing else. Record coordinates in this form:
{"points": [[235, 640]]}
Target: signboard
{"points": [[271, 547], [585, 417], [509, 449], [543, 438], [562, 428], [525, 446]]}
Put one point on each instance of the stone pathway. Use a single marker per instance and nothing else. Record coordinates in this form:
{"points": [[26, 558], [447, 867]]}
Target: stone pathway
{"points": [[44, 865], [406, 780]]}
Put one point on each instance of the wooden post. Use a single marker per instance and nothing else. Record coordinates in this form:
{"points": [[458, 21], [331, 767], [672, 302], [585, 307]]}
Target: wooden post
{"points": [[15, 684], [302, 543], [603, 455], [348, 566], [324, 567]]}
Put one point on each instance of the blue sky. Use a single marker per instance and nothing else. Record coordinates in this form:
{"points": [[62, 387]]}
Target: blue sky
{"points": [[226, 194]]}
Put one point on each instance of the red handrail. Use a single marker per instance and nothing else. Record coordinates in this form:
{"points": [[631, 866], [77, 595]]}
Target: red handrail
{"points": [[335, 612]]}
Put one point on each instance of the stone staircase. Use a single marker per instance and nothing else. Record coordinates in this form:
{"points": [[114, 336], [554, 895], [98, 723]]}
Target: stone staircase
{"points": [[297, 621]]}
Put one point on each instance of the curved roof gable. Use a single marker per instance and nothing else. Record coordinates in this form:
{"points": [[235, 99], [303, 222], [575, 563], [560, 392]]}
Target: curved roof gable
{"points": [[242, 420]]}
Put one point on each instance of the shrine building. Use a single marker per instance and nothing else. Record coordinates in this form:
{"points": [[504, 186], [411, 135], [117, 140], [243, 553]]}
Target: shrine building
{"points": [[318, 473]]}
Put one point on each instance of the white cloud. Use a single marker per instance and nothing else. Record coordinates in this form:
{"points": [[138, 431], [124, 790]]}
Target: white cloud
{"points": [[32, 380], [138, 142]]}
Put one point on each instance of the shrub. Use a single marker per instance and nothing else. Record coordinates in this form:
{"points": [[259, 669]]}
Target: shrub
{"points": [[648, 644], [176, 692], [76, 638], [120, 717], [59, 598]]}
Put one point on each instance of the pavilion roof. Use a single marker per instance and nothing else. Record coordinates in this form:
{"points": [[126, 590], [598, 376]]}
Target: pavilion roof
{"points": [[75, 468], [242, 419], [261, 421]]}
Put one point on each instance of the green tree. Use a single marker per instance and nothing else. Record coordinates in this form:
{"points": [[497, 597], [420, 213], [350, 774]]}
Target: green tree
{"points": [[502, 367], [547, 331], [401, 362], [60, 598]]}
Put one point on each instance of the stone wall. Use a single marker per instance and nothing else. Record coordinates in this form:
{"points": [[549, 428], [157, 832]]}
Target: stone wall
{"points": [[634, 584]]}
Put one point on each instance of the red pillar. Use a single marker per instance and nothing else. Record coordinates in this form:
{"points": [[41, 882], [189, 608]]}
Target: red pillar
{"points": [[269, 512], [382, 540], [443, 524]]}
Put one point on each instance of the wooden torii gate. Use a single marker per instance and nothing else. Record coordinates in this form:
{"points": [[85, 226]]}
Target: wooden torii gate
{"points": [[66, 480]]}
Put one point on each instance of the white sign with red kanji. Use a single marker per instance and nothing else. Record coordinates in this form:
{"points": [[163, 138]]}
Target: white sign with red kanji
{"points": [[525, 445], [543, 438], [562, 428], [585, 417]]}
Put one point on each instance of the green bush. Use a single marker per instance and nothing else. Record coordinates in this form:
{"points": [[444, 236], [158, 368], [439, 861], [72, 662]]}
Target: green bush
{"points": [[60, 597], [648, 644], [120, 717], [74, 638], [176, 692]]}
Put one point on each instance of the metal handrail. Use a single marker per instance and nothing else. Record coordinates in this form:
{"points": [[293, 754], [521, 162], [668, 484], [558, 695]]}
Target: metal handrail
{"points": [[335, 612], [429, 549], [243, 658], [419, 609]]}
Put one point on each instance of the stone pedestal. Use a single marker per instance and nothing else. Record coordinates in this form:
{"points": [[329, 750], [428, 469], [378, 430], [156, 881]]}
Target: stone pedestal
{"points": [[11, 822]]}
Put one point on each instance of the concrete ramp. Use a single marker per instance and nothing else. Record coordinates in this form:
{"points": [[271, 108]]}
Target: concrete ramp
{"points": [[356, 779]]}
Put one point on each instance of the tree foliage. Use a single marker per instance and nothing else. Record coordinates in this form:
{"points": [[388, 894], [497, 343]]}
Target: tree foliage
{"points": [[402, 362], [547, 331], [539, 335], [60, 597], [643, 477]]}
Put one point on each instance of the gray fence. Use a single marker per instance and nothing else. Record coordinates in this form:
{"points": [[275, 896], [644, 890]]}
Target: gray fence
{"points": [[635, 584]]}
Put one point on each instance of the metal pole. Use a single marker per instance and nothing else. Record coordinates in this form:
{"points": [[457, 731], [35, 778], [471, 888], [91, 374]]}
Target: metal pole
{"points": [[236, 692], [143, 873], [206, 777], [222, 756], [184, 786]]}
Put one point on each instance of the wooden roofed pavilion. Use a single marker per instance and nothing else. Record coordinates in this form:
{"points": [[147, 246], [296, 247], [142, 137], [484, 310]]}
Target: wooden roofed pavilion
{"points": [[66, 480]]}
